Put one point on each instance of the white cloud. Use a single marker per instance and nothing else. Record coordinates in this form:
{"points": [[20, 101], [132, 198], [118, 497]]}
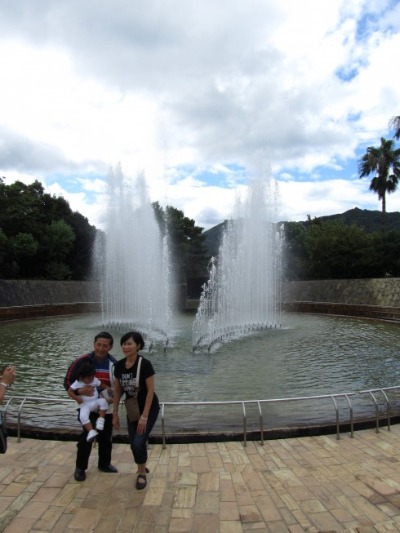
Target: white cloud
{"points": [[196, 94]]}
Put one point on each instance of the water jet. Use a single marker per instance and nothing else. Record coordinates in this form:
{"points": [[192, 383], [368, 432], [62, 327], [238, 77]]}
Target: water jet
{"points": [[243, 292], [134, 263]]}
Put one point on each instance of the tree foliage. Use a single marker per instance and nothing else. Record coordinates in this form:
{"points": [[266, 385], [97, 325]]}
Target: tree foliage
{"points": [[334, 250], [337, 251], [384, 163], [188, 250], [40, 236], [295, 253], [394, 124]]}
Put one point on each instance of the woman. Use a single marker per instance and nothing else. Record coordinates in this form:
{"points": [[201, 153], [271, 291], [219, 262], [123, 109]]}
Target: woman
{"points": [[125, 372]]}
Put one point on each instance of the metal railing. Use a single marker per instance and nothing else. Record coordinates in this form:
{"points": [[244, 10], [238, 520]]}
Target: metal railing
{"points": [[378, 396], [373, 394], [259, 404]]}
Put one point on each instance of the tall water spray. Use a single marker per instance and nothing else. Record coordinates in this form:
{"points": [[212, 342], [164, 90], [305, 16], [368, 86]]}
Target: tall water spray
{"points": [[243, 291], [136, 274]]}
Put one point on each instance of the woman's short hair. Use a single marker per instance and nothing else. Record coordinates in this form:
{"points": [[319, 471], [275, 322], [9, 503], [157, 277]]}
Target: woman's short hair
{"points": [[136, 336]]}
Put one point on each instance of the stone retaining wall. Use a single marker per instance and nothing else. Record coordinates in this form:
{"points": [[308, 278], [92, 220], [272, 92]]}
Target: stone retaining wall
{"points": [[36, 298], [382, 292], [38, 311], [37, 292], [374, 298]]}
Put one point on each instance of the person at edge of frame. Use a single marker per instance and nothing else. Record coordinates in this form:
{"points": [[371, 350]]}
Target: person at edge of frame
{"points": [[7, 378]]}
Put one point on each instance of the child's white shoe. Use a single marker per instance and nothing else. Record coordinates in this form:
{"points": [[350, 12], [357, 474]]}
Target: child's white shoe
{"points": [[100, 423], [91, 435]]}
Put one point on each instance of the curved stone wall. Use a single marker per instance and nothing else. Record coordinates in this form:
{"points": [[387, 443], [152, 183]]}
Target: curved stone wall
{"points": [[375, 298], [36, 298], [384, 292], [35, 292]]}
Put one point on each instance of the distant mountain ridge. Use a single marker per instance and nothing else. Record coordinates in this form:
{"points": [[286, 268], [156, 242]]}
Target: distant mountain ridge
{"points": [[213, 238], [370, 221]]}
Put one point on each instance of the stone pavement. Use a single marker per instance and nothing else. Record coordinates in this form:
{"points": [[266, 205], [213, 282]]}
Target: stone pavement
{"points": [[313, 484]]}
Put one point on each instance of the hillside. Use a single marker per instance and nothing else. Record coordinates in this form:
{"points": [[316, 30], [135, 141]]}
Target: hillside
{"points": [[370, 221], [213, 238]]}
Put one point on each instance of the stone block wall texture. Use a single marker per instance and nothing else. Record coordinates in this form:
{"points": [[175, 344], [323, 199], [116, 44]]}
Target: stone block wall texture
{"points": [[373, 292], [38, 292], [373, 298]]}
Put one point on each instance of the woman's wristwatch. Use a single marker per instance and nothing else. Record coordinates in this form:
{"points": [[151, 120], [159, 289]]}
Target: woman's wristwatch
{"points": [[6, 385]]}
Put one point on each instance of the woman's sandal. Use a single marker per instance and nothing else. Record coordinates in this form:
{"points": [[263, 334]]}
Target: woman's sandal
{"points": [[141, 481]]}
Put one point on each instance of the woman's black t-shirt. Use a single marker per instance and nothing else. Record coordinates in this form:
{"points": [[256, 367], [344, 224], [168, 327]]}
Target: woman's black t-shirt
{"points": [[127, 379]]}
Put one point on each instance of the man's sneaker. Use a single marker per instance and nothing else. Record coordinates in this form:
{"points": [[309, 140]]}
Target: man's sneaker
{"points": [[91, 435], [100, 423]]}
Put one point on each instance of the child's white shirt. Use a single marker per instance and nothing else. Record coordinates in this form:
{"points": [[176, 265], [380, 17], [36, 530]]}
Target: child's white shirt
{"points": [[94, 384]]}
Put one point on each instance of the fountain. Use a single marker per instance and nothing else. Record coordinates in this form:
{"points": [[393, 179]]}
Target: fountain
{"points": [[134, 265], [325, 355], [243, 291]]}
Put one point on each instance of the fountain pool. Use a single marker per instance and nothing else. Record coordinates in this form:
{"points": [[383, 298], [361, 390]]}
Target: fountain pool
{"points": [[310, 355]]}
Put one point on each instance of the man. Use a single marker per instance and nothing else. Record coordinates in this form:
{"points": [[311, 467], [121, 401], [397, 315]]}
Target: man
{"points": [[103, 362]]}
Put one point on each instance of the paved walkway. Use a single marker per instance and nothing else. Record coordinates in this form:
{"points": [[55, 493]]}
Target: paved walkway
{"points": [[313, 484]]}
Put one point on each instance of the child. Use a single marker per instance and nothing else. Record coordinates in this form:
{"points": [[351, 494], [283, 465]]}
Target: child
{"points": [[89, 404]]}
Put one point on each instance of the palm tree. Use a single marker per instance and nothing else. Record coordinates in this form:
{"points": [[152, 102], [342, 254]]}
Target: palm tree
{"points": [[384, 161], [394, 124]]}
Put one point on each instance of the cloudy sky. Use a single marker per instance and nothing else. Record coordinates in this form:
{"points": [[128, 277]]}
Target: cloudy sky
{"points": [[200, 96]]}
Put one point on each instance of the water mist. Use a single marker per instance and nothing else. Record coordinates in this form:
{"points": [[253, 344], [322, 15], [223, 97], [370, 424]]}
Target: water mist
{"points": [[242, 294], [136, 274]]}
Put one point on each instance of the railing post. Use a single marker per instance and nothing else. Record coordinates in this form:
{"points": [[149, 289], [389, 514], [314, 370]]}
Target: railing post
{"points": [[387, 407], [337, 418], [351, 416], [376, 410], [261, 423], [164, 444], [6, 407], [244, 425], [19, 420]]}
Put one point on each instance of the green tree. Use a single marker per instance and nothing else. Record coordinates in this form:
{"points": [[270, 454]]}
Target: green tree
{"points": [[24, 245], [386, 246], [20, 208], [80, 256], [394, 124], [21, 248], [62, 236], [3, 252], [384, 162], [57, 243], [160, 217], [187, 242], [337, 251], [58, 240], [57, 270], [295, 254]]}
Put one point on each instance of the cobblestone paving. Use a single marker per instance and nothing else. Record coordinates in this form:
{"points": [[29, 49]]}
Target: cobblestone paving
{"points": [[312, 484]]}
